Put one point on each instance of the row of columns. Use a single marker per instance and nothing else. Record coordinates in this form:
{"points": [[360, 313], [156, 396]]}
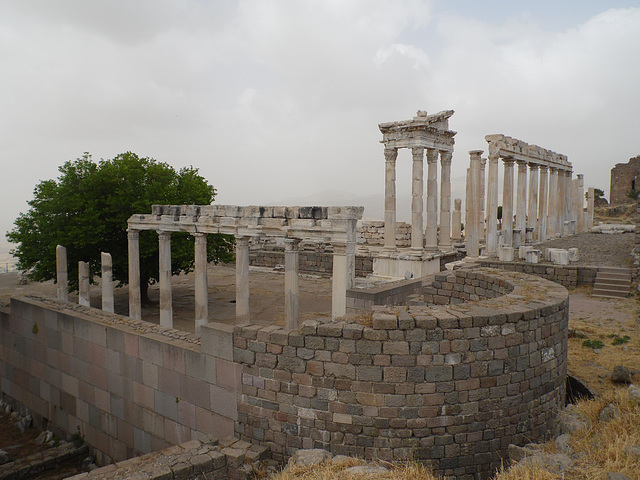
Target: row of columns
{"points": [[429, 239], [343, 277], [547, 204], [84, 280]]}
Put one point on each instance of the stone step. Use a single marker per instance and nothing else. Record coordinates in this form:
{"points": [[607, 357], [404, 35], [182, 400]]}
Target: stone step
{"points": [[615, 276], [607, 292], [612, 281], [614, 270]]}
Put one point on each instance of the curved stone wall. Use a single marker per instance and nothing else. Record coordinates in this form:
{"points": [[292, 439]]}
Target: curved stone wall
{"points": [[451, 385]]}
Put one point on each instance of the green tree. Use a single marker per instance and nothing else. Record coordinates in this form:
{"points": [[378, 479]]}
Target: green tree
{"points": [[86, 210]]}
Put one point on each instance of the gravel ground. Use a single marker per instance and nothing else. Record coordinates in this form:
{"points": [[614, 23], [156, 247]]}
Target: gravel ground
{"points": [[611, 250]]}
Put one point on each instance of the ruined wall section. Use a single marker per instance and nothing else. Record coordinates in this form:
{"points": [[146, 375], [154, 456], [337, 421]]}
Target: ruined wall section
{"points": [[623, 179], [451, 385], [130, 387]]}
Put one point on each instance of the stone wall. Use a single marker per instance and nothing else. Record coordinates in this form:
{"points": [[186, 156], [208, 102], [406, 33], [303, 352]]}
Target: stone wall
{"points": [[129, 386], [361, 300], [623, 177], [450, 288], [450, 385], [313, 262], [565, 275], [636, 247], [371, 232]]}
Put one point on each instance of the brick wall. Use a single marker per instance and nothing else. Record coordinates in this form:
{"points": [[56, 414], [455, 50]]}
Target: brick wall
{"points": [[130, 387], [452, 288], [451, 385]]}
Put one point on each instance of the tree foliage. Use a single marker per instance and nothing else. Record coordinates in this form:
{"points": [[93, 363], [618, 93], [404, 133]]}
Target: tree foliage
{"points": [[86, 210]]}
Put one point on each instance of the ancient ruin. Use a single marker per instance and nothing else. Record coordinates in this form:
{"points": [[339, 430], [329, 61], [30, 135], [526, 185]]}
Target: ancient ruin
{"points": [[624, 179], [449, 368]]}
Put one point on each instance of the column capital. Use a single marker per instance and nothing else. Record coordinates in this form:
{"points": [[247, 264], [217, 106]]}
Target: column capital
{"points": [[339, 248], [390, 154], [133, 233], [417, 153], [291, 244], [199, 234], [543, 168], [508, 161], [164, 234], [242, 240], [483, 162], [553, 169], [522, 165], [445, 157], [432, 155], [476, 154], [533, 166]]}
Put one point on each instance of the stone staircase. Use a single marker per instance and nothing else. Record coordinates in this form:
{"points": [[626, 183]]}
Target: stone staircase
{"points": [[612, 282]]}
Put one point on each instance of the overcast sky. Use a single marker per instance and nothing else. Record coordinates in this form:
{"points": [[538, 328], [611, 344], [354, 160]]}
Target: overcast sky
{"points": [[280, 100]]}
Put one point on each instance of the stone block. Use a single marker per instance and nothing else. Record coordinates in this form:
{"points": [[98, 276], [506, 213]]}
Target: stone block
{"points": [[532, 256], [217, 340], [574, 256], [522, 251], [505, 254], [559, 256]]}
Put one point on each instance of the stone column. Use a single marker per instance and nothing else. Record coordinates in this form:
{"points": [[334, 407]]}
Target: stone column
{"points": [[591, 199], [445, 199], [456, 220], [492, 205], [467, 202], [567, 201], [483, 206], [417, 200], [507, 203], [521, 200], [291, 283], [351, 245], [242, 280], [580, 204], [554, 214], [166, 304], [473, 222], [339, 281], [541, 227], [431, 236], [390, 155], [532, 211], [107, 282], [201, 282], [135, 302], [61, 274], [83, 284]]}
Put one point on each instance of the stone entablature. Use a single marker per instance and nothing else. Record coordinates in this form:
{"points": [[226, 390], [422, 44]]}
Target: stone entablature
{"points": [[508, 147], [452, 385], [426, 131]]}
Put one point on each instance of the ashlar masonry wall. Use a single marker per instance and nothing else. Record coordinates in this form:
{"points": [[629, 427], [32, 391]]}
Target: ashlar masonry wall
{"points": [[451, 385], [130, 387]]}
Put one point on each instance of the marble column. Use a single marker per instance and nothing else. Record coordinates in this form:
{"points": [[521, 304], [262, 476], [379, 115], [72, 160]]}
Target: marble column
{"points": [[456, 220], [339, 281], [532, 210], [521, 201], [431, 235], [492, 205], [351, 244], [201, 281], [580, 204], [107, 282], [61, 274], [591, 199], [417, 200], [242, 280], [291, 283], [390, 155], [83, 284], [541, 227], [473, 222], [445, 199], [507, 203], [567, 201], [483, 205], [562, 187], [166, 303], [467, 202], [135, 302], [554, 214]]}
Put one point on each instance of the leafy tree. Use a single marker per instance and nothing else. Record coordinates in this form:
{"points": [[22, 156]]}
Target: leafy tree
{"points": [[86, 210]]}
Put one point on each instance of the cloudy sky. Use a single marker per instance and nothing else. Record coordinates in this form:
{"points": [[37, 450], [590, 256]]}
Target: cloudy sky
{"points": [[279, 100]]}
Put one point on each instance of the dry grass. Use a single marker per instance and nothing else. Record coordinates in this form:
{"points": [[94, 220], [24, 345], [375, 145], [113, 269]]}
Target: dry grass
{"points": [[331, 471]]}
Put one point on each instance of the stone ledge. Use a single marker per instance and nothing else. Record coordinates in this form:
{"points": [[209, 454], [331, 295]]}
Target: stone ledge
{"points": [[27, 467]]}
